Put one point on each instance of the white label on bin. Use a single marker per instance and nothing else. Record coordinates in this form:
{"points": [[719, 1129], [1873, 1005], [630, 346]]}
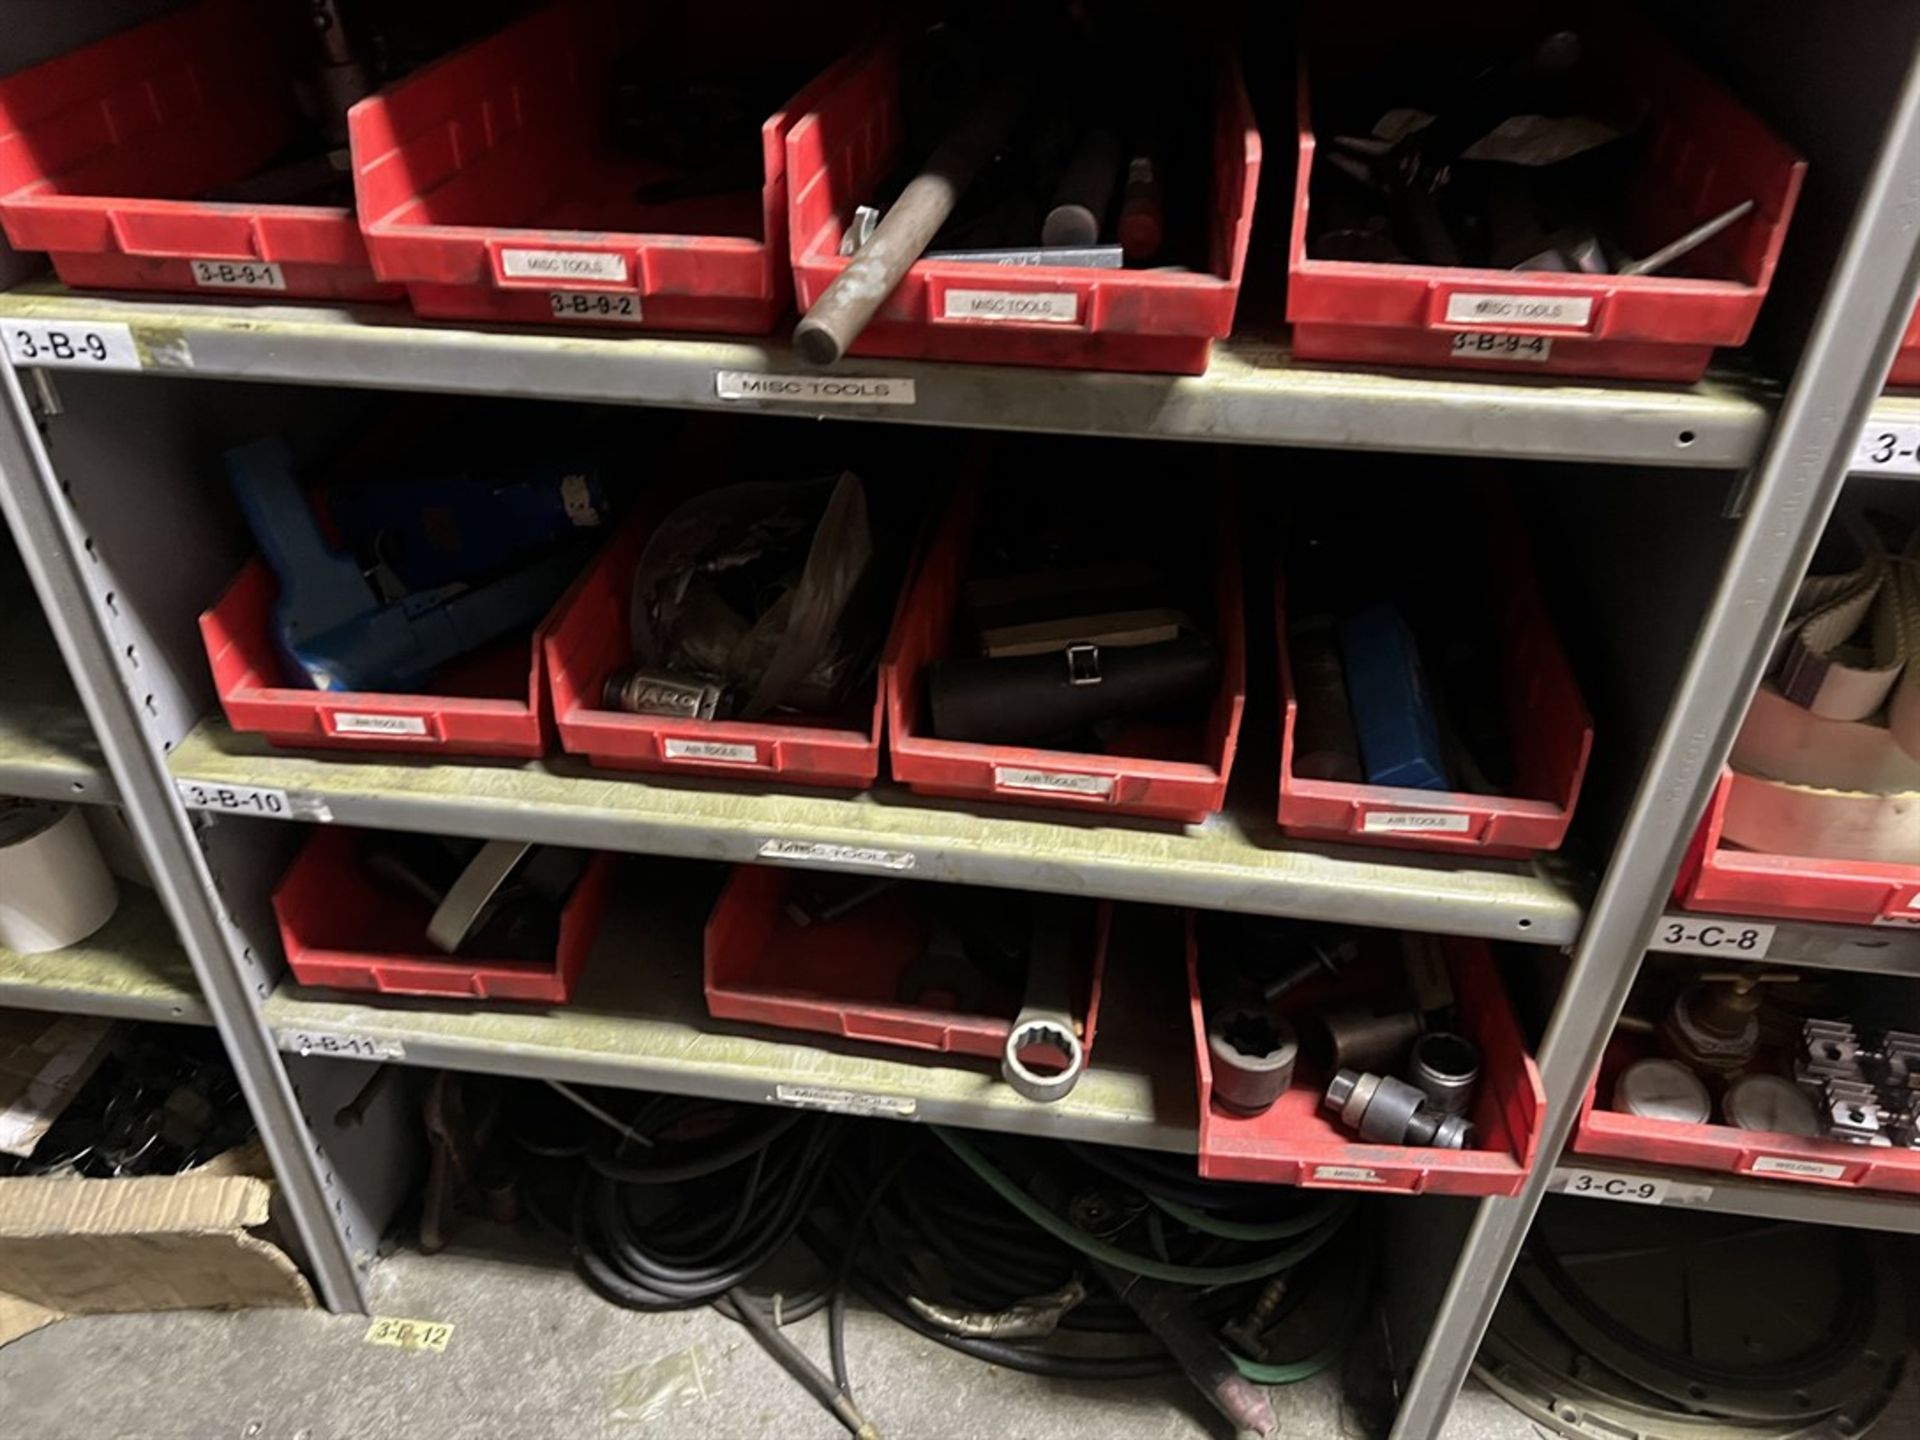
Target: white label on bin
{"points": [[1052, 782], [813, 389], [1053, 308], [1805, 1169], [819, 852], [1634, 1189], [346, 723], [712, 750], [594, 305], [1431, 822], [1489, 345], [1700, 935], [1572, 311], [1347, 1174], [1888, 450], [846, 1102], [238, 275], [55, 344], [344, 1047], [562, 265]]}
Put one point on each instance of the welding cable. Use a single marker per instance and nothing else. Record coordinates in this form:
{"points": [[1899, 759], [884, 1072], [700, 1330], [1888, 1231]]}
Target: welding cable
{"points": [[1257, 1268], [721, 1189], [936, 1224], [843, 1274], [706, 1229]]}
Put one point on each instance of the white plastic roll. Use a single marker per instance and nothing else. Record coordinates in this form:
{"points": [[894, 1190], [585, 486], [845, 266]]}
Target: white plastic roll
{"points": [[1780, 819], [55, 890]]}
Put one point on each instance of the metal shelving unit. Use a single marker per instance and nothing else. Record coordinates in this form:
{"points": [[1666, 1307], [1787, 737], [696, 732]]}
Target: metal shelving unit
{"points": [[1236, 862], [132, 968], [122, 608]]}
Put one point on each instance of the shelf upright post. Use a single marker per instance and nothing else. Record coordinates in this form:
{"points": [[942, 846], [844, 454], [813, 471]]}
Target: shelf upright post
{"points": [[333, 1229]]}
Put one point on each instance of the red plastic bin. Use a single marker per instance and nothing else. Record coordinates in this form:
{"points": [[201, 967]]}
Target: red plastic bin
{"points": [[342, 930], [1707, 154], [589, 641], [1552, 738], [103, 151], [487, 182], [1727, 880], [1800, 1159], [494, 703], [1295, 1142], [850, 139], [844, 978], [1906, 360], [1186, 789]]}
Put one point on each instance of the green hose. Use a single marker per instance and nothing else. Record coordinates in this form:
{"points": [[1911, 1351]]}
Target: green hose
{"points": [[1099, 1249], [1319, 1227], [1240, 1230]]}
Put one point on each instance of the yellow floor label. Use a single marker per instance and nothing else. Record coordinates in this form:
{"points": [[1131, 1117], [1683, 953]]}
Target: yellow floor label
{"points": [[409, 1334]]}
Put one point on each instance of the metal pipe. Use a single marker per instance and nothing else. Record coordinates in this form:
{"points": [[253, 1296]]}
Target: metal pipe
{"points": [[836, 319], [1085, 193]]}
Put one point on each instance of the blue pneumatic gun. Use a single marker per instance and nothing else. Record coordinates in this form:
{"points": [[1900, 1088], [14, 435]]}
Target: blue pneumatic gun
{"points": [[333, 631]]}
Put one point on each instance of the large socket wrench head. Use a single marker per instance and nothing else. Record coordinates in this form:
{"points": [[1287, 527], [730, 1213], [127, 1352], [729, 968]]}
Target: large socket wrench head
{"points": [[1252, 1051], [1391, 1112]]}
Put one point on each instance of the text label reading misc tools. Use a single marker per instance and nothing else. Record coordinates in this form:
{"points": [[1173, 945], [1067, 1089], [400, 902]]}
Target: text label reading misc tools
{"points": [[813, 389], [1571, 311]]}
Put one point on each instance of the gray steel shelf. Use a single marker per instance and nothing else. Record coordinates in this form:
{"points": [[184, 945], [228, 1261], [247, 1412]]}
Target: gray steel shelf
{"points": [[1253, 393], [1235, 862], [47, 749], [1742, 1195], [1875, 949], [639, 1021], [132, 968], [47, 752]]}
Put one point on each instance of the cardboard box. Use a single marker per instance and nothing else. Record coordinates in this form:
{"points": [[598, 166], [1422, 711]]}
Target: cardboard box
{"points": [[169, 1242]]}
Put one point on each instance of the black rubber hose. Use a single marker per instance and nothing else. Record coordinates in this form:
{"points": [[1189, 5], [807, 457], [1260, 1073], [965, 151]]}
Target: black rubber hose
{"points": [[800, 1367]]}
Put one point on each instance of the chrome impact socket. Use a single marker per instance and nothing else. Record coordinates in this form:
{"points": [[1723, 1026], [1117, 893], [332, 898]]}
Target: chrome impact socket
{"points": [[1446, 1069], [1392, 1112]]}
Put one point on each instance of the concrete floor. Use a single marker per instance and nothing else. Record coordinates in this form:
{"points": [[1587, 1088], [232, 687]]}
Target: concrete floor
{"points": [[534, 1355]]}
